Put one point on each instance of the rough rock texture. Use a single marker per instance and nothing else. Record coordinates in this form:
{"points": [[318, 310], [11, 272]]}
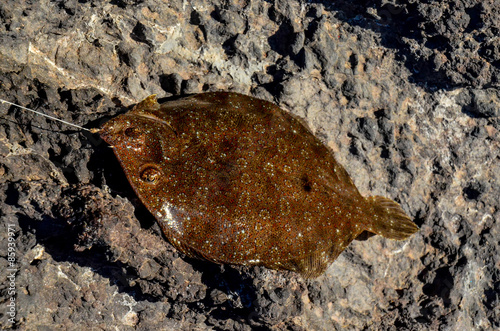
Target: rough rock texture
{"points": [[406, 93]]}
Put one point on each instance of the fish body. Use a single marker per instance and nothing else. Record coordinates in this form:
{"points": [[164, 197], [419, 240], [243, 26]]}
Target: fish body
{"points": [[235, 179]]}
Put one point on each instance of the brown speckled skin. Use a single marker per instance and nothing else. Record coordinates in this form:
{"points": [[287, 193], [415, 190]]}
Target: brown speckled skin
{"points": [[234, 179]]}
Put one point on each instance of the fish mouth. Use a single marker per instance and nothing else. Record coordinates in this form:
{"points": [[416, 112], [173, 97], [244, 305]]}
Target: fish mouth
{"points": [[108, 132]]}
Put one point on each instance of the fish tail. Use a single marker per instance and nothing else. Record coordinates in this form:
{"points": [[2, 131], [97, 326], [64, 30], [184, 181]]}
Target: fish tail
{"points": [[389, 219]]}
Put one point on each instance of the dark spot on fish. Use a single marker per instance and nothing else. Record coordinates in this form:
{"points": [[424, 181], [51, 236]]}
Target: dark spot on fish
{"points": [[306, 184]]}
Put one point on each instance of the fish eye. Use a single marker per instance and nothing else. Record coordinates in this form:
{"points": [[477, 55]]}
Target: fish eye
{"points": [[150, 174], [132, 132]]}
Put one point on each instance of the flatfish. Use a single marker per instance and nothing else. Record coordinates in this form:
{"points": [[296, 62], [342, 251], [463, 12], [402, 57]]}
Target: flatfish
{"points": [[235, 179]]}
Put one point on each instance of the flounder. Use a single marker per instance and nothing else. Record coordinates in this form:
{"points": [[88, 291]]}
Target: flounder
{"points": [[235, 179]]}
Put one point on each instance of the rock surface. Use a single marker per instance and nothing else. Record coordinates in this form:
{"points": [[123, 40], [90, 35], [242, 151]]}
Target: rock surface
{"points": [[406, 93]]}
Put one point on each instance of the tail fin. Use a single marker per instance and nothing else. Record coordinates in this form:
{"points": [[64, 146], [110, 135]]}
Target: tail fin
{"points": [[389, 219]]}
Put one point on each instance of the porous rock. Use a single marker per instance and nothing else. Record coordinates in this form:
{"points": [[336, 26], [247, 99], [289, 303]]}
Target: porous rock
{"points": [[405, 93]]}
